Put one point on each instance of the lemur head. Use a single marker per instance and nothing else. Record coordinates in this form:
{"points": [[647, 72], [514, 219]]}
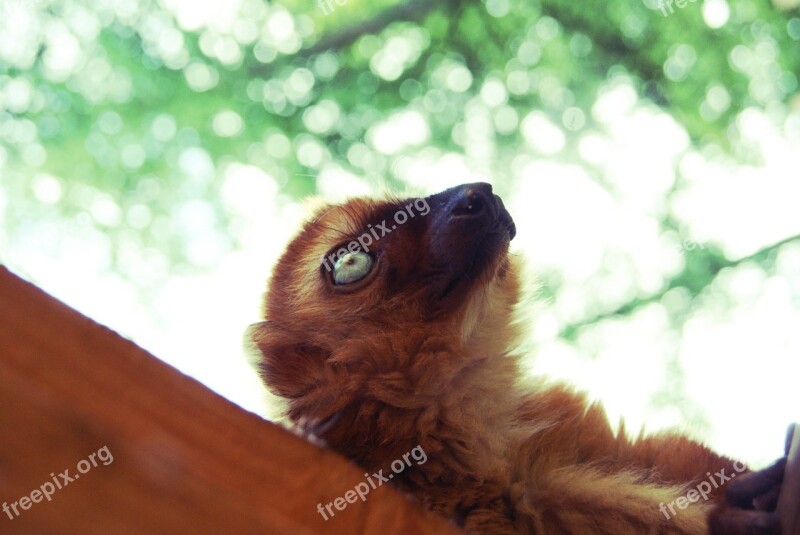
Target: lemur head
{"points": [[385, 299]]}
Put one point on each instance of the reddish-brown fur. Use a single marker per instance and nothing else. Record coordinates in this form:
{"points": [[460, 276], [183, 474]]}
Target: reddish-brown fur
{"points": [[387, 365]]}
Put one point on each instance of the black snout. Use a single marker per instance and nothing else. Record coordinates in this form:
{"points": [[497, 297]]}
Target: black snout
{"points": [[469, 228]]}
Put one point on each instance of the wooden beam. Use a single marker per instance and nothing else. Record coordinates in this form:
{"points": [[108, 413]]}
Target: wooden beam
{"points": [[149, 450]]}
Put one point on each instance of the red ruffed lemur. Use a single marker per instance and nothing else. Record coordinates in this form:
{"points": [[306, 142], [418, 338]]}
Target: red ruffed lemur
{"points": [[385, 332]]}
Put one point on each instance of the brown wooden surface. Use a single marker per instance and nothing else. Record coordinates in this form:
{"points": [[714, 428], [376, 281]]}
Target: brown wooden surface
{"points": [[789, 503], [185, 460]]}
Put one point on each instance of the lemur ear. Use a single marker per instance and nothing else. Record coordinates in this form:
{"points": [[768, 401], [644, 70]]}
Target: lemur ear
{"points": [[252, 334], [285, 362], [294, 368]]}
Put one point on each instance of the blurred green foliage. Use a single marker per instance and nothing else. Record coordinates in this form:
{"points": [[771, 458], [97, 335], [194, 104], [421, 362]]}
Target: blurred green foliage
{"points": [[122, 105]]}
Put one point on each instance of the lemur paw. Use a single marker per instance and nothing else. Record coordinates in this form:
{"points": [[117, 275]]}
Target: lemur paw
{"points": [[751, 501]]}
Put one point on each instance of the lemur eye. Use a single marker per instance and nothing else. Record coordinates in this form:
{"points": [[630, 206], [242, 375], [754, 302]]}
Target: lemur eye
{"points": [[352, 267]]}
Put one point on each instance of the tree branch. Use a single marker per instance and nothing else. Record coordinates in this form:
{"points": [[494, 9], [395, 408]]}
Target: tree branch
{"points": [[410, 11], [676, 282]]}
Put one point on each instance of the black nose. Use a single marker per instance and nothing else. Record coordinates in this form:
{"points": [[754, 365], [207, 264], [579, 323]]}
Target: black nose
{"points": [[473, 200], [469, 210]]}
